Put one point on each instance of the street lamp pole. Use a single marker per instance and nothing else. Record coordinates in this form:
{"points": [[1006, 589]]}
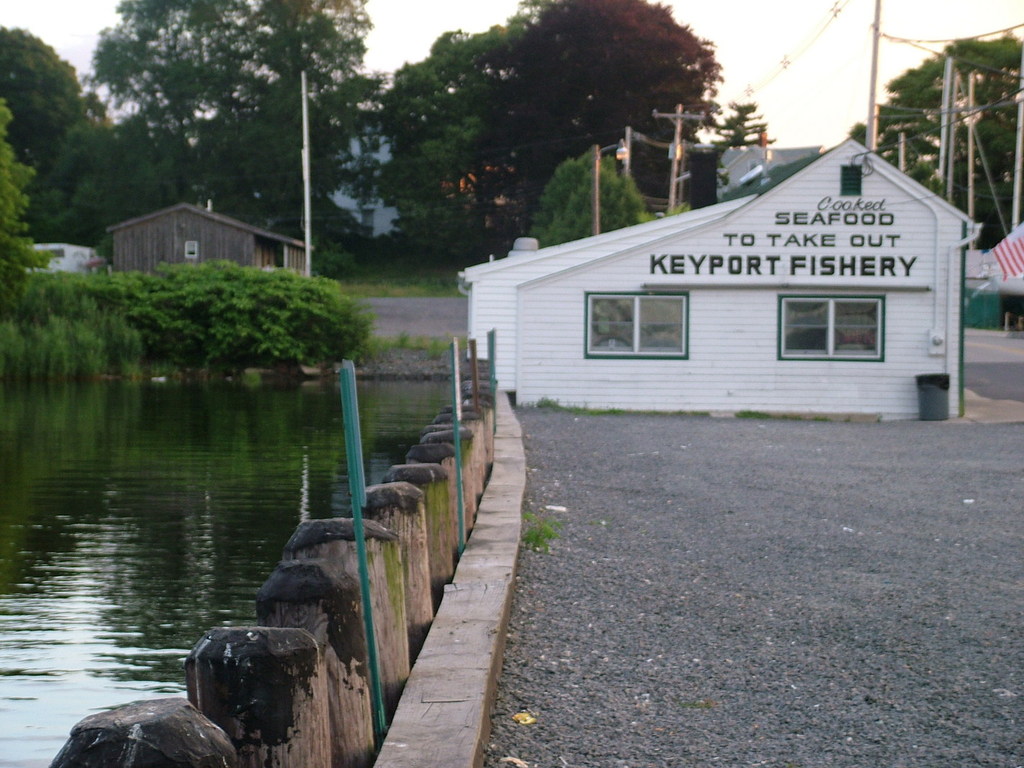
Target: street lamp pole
{"points": [[621, 153]]}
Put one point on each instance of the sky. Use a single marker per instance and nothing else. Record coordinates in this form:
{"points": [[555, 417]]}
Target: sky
{"points": [[812, 100]]}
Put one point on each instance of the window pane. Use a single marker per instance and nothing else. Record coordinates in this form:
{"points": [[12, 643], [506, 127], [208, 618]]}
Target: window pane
{"points": [[813, 313], [611, 324], [807, 341], [661, 325], [806, 327], [856, 327]]}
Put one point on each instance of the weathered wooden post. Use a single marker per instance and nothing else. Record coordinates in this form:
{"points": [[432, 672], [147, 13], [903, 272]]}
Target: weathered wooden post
{"points": [[475, 458], [400, 508], [432, 480], [158, 733], [267, 688], [469, 482], [316, 595], [334, 539], [444, 455]]}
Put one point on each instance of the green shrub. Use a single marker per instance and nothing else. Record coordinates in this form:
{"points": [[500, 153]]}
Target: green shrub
{"points": [[219, 316]]}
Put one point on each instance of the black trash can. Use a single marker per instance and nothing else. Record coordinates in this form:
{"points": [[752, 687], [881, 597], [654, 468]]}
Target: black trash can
{"points": [[933, 396]]}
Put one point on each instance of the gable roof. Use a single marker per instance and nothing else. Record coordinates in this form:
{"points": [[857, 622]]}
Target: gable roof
{"points": [[219, 218], [788, 174]]}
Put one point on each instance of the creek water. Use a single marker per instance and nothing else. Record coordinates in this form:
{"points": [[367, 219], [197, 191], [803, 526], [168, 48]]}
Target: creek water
{"points": [[135, 516]]}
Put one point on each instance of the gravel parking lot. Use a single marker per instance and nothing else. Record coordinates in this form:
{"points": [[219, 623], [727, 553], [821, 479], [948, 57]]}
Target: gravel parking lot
{"points": [[767, 593]]}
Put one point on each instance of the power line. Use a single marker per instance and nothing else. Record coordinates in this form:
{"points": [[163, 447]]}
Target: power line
{"points": [[787, 60], [894, 39]]}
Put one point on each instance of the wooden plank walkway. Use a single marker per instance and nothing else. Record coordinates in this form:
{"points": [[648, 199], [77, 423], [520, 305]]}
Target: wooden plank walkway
{"points": [[444, 715]]}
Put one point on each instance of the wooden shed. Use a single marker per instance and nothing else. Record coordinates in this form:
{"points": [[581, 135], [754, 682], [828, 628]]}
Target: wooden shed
{"points": [[186, 233], [828, 292]]}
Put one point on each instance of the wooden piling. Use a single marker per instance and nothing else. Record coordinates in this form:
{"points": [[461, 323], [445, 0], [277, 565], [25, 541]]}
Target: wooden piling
{"points": [[470, 481], [318, 596], [267, 688], [400, 508], [444, 455], [432, 480], [169, 733], [334, 539]]}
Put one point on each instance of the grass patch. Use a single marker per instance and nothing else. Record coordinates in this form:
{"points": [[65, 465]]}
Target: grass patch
{"points": [[547, 402], [698, 704], [433, 286], [434, 347], [539, 532]]}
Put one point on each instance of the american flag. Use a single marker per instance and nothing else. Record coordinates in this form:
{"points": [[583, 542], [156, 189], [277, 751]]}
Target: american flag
{"points": [[1010, 253]]}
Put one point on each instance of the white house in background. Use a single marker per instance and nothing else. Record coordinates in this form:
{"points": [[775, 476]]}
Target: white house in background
{"points": [[69, 258], [828, 292], [373, 215], [747, 168]]}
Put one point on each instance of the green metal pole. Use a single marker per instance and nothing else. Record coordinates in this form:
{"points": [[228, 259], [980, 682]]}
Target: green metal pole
{"points": [[492, 349], [357, 489], [456, 428]]}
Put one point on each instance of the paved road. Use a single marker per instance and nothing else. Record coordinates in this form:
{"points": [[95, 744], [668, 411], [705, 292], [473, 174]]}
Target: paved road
{"points": [[994, 365], [430, 317]]}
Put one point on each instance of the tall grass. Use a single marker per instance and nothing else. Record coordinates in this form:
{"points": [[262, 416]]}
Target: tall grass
{"points": [[59, 332]]}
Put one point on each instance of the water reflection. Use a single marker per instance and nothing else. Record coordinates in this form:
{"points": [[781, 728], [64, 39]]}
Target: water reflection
{"points": [[133, 517]]}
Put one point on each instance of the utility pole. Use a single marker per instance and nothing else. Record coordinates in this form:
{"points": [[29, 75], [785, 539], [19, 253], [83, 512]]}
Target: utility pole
{"points": [[971, 138], [1018, 166], [872, 124], [944, 119], [307, 215], [677, 147], [595, 196]]}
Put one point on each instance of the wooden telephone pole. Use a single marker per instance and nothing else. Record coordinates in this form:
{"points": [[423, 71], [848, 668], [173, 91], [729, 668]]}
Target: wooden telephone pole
{"points": [[676, 150]]}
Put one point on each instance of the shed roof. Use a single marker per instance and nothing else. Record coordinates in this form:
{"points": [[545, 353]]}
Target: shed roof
{"points": [[215, 217]]}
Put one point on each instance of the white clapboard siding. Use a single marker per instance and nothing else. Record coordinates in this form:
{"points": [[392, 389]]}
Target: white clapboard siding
{"points": [[762, 248], [492, 300]]}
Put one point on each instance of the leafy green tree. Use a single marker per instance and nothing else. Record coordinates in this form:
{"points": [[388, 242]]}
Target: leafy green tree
{"points": [[16, 252], [742, 128], [46, 99], [580, 73], [433, 116], [913, 112], [217, 85], [43, 94], [481, 125], [566, 207]]}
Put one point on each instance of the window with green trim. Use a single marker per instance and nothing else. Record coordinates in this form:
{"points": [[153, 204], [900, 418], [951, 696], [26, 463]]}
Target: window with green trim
{"points": [[630, 325], [831, 328]]}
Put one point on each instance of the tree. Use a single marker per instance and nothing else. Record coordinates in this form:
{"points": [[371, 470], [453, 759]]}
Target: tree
{"points": [[913, 112], [216, 83], [43, 94], [16, 252], [578, 75], [565, 212], [742, 128], [433, 117], [480, 126], [46, 100]]}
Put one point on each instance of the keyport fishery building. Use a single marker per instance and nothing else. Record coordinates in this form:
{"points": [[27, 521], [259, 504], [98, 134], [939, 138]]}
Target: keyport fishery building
{"points": [[835, 291]]}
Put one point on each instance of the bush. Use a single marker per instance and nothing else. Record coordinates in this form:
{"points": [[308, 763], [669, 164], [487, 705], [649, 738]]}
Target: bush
{"points": [[217, 316], [223, 316]]}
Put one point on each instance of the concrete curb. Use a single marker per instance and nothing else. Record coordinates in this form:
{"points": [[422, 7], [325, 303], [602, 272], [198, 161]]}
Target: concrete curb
{"points": [[444, 716], [984, 410]]}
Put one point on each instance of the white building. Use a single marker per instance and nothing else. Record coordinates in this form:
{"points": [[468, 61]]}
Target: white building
{"points": [[826, 293], [65, 257]]}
